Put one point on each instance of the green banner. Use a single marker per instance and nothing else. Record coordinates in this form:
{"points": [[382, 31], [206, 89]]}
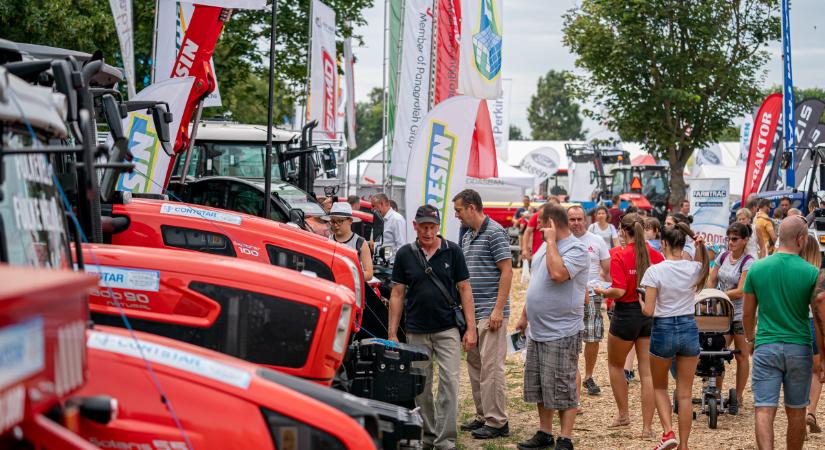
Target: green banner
{"points": [[394, 55]]}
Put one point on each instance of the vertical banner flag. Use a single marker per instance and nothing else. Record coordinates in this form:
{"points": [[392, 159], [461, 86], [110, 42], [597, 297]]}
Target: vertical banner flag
{"points": [[438, 164], [745, 139], [448, 17], [787, 94], [349, 78], [173, 21], [479, 68], [807, 117], [764, 128], [483, 162], [500, 119], [323, 74], [151, 162], [393, 52], [710, 206], [122, 12], [414, 82]]}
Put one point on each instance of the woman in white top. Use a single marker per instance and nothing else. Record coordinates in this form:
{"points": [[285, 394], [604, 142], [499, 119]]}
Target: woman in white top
{"points": [[602, 228], [670, 288]]}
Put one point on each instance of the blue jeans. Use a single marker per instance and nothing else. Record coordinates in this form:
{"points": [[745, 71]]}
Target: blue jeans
{"points": [[778, 366], [674, 336]]}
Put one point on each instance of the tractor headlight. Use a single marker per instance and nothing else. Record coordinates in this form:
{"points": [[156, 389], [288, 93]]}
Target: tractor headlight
{"points": [[342, 329]]}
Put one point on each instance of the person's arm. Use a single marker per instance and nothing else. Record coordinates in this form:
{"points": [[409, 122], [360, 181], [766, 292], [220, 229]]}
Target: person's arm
{"points": [[713, 278], [466, 293], [697, 255], [761, 245], [818, 311], [649, 304], [738, 291], [772, 233], [521, 326], [396, 306], [749, 317], [527, 243], [505, 266], [614, 235], [605, 263], [366, 262]]}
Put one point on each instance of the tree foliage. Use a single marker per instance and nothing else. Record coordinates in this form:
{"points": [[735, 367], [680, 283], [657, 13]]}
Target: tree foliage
{"points": [[671, 74], [241, 54], [552, 114], [369, 123], [515, 133]]}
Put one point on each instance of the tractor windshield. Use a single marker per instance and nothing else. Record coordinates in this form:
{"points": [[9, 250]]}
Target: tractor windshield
{"points": [[229, 159]]}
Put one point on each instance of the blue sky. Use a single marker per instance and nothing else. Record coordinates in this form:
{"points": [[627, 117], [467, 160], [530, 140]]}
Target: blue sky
{"points": [[533, 45]]}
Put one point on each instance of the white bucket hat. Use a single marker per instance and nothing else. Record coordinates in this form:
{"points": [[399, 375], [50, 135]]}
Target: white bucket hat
{"points": [[341, 209]]}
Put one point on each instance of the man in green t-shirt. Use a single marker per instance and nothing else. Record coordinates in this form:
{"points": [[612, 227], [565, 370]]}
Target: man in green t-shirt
{"points": [[781, 288]]}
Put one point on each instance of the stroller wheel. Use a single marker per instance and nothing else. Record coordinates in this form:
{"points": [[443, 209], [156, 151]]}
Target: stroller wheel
{"points": [[713, 413], [733, 403]]}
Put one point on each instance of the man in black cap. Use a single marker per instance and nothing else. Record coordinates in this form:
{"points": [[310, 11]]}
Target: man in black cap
{"points": [[426, 296]]}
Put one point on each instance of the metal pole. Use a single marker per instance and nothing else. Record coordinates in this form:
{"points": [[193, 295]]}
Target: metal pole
{"points": [[269, 114], [309, 67], [154, 45], [195, 125]]}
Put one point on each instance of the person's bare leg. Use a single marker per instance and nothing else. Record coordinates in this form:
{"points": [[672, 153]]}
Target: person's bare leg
{"points": [[795, 437], [567, 420], [617, 350], [631, 359], [545, 419], [685, 371], [720, 380], [591, 355], [816, 388], [659, 368], [763, 417], [578, 391], [743, 366], [643, 357]]}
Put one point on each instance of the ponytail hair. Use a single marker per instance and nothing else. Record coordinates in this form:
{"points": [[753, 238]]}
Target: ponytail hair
{"points": [[678, 233], [633, 225]]}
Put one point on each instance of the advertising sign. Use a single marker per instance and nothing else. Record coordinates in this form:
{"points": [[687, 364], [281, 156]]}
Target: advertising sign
{"points": [[323, 87], [479, 67], [710, 206]]}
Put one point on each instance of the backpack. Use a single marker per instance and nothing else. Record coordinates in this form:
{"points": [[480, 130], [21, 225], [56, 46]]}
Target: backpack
{"points": [[745, 259]]}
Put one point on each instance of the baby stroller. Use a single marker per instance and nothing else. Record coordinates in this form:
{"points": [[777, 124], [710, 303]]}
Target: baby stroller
{"points": [[714, 316]]}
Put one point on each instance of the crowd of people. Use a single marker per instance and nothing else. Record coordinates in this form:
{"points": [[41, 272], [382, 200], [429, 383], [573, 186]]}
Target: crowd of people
{"points": [[643, 274]]}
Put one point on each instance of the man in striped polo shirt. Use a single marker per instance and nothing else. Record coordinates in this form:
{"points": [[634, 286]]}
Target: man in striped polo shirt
{"points": [[486, 247]]}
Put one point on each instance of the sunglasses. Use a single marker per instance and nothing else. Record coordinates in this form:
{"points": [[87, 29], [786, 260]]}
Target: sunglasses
{"points": [[337, 221]]}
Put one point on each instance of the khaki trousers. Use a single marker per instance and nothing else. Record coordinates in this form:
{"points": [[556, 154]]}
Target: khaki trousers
{"points": [[439, 416], [485, 364]]}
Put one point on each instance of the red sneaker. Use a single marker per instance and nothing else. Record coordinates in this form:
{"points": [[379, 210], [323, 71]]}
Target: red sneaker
{"points": [[668, 441]]}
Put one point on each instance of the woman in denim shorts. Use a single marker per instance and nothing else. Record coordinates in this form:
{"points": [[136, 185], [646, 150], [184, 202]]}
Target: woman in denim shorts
{"points": [[669, 291], [728, 275], [810, 253]]}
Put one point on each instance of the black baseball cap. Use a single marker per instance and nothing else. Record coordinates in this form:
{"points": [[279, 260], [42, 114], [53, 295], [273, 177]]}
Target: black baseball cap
{"points": [[427, 214]]}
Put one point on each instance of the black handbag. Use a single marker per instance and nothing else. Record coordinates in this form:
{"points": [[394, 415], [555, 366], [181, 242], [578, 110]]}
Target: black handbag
{"points": [[458, 311]]}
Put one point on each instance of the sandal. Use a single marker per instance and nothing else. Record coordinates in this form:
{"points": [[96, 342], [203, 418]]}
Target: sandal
{"points": [[620, 422], [813, 427]]}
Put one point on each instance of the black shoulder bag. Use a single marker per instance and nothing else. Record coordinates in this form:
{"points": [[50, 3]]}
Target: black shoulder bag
{"points": [[458, 311]]}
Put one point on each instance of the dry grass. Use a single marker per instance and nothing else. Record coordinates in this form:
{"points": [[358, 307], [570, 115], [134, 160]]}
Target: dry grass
{"points": [[591, 432]]}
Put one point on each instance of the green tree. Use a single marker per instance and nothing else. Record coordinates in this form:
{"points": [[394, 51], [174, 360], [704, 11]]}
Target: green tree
{"points": [[369, 121], [515, 133], [671, 75], [241, 54], [552, 114]]}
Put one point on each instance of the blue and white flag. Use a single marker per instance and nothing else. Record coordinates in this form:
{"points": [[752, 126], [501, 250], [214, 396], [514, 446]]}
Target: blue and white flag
{"points": [[479, 66]]}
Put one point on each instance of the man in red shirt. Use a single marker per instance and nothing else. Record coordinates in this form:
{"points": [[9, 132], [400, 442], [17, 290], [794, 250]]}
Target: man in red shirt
{"points": [[615, 211], [532, 240]]}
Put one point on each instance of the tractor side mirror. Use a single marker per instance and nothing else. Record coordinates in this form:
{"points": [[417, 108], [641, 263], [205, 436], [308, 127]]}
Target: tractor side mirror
{"points": [[111, 113], [297, 217], [162, 119], [329, 163]]}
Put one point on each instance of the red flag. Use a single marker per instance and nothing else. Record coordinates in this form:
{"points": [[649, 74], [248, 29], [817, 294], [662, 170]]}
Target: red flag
{"points": [[483, 162], [446, 58], [764, 128]]}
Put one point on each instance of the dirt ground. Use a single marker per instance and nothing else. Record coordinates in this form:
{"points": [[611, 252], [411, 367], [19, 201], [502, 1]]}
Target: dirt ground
{"points": [[591, 432]]}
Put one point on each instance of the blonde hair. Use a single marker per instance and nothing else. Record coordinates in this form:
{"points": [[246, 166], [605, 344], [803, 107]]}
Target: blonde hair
{"points": [[810, 251], [744, 212]]}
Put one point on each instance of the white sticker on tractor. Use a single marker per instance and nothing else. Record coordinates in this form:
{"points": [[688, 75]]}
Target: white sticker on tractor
{"points": [[199, 213], [168, 356], [122, 278], [21, 351]]}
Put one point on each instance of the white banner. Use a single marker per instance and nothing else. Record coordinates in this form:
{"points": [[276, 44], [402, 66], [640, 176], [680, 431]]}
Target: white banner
{"points": [[172, 21], [349, 74], [234, 4], [414, 82], [438, 164], [500, 119], [152, 164], [542, 163], [323, 80], [479, 66], [745, 140], [710, 207], [122, 12]]}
